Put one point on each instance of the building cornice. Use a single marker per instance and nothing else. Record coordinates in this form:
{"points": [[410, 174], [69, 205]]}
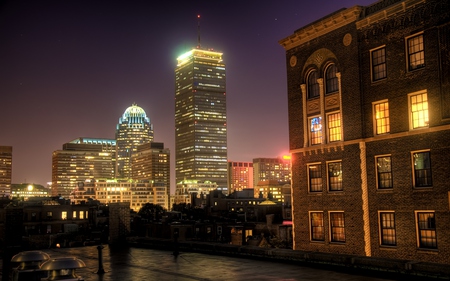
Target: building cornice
{"points": [[387, 13], [321, 27]]}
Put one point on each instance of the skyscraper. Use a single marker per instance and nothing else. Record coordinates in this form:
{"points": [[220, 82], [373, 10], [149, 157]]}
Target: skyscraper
{"points": [[134, 128], [5, 170], [80, 160], [200, 118]]}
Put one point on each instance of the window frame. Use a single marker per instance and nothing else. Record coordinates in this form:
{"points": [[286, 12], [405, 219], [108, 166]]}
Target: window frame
{"points": [[413, 118], [377, 173], [329, 177], [373, 65], [332, 227], [415, 177], [311, 135], [421, 239], [331, 80], [310, 185], [383, 241], [312, 227], [329, 128], [385, 119], [409, 54], [313, 89]]}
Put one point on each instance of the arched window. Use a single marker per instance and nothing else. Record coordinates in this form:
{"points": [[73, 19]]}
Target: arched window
{"points": [[331, 82], [313, 85]]}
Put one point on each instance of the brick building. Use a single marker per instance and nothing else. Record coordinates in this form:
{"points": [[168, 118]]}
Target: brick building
{"points": [[369, 125]]}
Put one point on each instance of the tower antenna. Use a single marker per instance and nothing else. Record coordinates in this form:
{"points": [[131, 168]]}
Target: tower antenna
{"points": [[198, 33]]}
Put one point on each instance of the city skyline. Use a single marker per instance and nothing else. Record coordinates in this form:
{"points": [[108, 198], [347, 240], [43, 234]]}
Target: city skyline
{"points": [[70, 69]]}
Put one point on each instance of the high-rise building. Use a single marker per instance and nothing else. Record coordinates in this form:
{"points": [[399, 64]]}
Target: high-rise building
{"points": [[151, 162], [200, 118], [81, 159], [272, 169], [134, 128], [5, 170], [240, 176], [369, 120]]}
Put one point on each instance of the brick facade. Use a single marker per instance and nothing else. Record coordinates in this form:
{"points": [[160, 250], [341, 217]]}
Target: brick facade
{"points": [[394, 52]]}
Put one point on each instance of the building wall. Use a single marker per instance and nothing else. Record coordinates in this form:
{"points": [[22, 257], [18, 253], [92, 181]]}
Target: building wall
{"points": [[349, 38], [5, 170], [240, 175]]}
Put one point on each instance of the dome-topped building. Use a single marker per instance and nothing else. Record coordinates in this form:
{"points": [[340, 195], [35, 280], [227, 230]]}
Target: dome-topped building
{"points": [[134, 128]]}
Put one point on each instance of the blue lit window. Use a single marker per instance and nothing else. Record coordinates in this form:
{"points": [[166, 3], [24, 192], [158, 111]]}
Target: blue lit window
{"points": [[316, 130]]}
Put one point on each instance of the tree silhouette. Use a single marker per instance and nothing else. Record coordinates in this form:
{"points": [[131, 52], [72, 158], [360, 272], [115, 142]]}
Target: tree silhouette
{"points": [[151, 212]]}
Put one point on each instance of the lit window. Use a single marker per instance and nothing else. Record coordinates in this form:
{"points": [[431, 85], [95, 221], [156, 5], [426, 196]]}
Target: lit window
{"points": [[315, 177], [74, 214], [49, 215], [381, 112], [384, 172], [416, 56], [378, 60], [426, 230], [317, 228], [335, 176], [422, 169], [64, 215], [337, 227], [334, 127], [81, 215], [387, 229], [313, 85], [316, 130], [419, 110]]}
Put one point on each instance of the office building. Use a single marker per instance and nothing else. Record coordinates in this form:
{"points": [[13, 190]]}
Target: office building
{"points": [[24, 191], [5, 170], [134, 128], [240, 176], [79, 160], [200, 118], [187, 189], [369, 121], [151, 162], [272, 169], [135, 193]]}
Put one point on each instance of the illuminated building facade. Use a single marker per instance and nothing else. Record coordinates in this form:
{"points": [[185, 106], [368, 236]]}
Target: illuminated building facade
{"points": [[134, 128], [369, 124], [27, 190], [5, 170], [151, 162], [266, 169], [79, 160], [136, 193], [240, 176], [188, 188], [200, 118]]}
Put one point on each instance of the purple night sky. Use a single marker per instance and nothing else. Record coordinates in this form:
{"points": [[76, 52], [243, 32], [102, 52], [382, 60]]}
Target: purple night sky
{"points": [[70, 68]]}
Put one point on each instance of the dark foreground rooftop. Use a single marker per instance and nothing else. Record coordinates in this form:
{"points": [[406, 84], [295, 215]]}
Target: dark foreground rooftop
{"points": [[131, 263]]}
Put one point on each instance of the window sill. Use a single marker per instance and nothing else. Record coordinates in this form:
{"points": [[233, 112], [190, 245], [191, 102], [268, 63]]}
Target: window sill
{"points": [[334, 243], [388, 248], [427, 251], [385, 190]]}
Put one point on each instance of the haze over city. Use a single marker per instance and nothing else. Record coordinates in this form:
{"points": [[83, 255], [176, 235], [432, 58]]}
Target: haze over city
{"points": [[69, 69]]}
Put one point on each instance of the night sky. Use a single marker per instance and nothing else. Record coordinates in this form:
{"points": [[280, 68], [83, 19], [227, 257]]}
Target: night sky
{"points": [[70, 68]]}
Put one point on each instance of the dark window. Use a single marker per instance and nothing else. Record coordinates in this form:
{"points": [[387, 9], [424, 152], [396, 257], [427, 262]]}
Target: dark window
{"points": [[313, 85], [332, 84], [335, 176], [416, 56], [379, 64], [384, 172], [422, 169]]}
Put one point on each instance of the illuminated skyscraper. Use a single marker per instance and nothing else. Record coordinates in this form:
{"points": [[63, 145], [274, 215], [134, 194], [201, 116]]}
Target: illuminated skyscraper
{"points": [[200, 118], [240, 176], [80, 160], [5, 170], [133, 129], [275, 169]]}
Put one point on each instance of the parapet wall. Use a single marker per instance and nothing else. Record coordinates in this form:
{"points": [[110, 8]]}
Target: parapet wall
{"points": [[361, 265]]}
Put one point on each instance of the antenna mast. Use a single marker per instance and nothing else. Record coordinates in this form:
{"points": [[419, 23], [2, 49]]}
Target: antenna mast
{"points": [[198, 33]]}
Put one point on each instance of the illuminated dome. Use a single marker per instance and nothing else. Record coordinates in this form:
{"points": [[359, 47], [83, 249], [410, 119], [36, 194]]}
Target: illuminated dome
{"points": [[134, 115]]}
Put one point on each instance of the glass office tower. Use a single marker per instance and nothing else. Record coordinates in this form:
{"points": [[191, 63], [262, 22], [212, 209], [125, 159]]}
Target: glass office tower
{"points": [[200, 118], [134, 128]]}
